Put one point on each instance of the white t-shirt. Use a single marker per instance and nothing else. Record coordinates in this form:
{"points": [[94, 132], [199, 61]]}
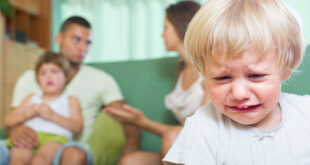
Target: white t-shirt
{"points": [[209, 137], [93, 88], [60, 106], [184, 103]]}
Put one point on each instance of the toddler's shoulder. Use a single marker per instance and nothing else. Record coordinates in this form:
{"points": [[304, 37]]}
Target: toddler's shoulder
{"points": [[207, 115], [294, 100], [296, 104]]}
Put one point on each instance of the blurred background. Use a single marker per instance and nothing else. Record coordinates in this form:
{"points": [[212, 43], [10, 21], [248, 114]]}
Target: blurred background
{"points": [[131, 29]]}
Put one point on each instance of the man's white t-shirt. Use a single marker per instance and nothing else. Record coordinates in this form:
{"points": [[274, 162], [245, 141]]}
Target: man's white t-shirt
{"points": [[209, 137], [93, 88]]}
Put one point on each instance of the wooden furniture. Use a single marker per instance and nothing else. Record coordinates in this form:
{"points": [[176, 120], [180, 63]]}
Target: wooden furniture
{"points": [[32, 19]]}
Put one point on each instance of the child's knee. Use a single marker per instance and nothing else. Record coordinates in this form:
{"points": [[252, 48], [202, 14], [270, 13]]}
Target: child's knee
{"points": [[38, 159], [73, 154], [19, 162]]}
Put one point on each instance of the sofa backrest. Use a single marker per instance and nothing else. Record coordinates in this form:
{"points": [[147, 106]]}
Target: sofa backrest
{"points": [[299, 81], [144, 84]]}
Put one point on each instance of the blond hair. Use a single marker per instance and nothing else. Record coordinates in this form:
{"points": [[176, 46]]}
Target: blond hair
{"points": [[225, 28]]}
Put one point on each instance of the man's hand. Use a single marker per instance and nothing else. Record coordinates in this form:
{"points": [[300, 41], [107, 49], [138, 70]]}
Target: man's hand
{"points": [[23, 137]]}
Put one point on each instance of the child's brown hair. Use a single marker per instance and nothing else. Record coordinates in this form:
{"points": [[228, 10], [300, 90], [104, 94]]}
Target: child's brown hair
{"points": [[54, 58]]}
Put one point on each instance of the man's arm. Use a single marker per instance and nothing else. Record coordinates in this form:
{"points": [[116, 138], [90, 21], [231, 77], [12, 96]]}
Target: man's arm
{"points": [[20, 135], [132, 133]]}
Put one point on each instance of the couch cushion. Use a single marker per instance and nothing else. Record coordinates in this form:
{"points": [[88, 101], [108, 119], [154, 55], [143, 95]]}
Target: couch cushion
{"points": [[144, 84], [107, 140]]}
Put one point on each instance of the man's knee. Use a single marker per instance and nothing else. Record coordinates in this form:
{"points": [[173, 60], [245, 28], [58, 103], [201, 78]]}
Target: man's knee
{"points": [[73, 155], [126, 160], [140, 158]]}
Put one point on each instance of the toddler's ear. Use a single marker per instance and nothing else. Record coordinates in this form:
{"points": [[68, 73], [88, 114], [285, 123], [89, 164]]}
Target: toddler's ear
{"points": [[286, 75]]}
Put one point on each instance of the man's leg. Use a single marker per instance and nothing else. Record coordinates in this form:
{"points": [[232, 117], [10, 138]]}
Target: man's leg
{"points": [[73, 153], [141, 158], [4, 153]]}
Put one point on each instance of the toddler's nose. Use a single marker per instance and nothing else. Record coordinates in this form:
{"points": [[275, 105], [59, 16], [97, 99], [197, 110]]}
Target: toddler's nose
{"points": [[240, 90]]}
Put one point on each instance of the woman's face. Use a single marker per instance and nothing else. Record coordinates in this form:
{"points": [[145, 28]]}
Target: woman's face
{"points": [[172, 40]]}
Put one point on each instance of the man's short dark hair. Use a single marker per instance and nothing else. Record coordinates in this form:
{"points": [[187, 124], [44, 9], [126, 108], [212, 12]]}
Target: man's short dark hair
{"points": [[74, 20]]}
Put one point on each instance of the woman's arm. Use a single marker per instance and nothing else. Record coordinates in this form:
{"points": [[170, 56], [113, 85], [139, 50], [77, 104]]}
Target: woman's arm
{"points": [[20, 114], [74, 123], [130, 115], [132, 133]]}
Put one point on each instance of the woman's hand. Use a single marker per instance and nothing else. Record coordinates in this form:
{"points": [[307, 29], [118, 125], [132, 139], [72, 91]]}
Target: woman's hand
{"points": [[127, 114]]}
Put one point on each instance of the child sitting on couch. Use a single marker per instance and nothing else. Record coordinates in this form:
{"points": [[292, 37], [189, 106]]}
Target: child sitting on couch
{"points": [[52, 113], [245, 49]]}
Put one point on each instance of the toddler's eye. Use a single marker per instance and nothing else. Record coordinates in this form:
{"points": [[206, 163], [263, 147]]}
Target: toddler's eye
{"points": [[255, 76], [76, 39], [222, 78], [88, 43], [42, 73]]}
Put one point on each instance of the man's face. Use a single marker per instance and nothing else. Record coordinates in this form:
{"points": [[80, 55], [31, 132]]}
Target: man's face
{"points": [[74, 43], [246, 89]]}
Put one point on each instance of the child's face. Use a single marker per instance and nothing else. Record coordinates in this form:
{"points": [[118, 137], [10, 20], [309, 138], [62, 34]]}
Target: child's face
{"points": [[246, 89], [51, 78]]}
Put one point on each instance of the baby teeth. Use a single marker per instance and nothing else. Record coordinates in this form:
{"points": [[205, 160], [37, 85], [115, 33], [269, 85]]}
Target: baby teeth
{"points": [[243, 107]]}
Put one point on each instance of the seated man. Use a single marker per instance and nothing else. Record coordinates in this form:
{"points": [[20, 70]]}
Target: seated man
{"points": [[93, 88]]}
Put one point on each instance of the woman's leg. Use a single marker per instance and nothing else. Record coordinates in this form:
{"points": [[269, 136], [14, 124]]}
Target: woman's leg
{"points": [[46, 153], [169, 137], [20, 156], [141, 158]]}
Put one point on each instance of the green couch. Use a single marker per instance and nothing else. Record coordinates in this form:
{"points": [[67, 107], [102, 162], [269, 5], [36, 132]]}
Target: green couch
{"points": [[144, 84]]}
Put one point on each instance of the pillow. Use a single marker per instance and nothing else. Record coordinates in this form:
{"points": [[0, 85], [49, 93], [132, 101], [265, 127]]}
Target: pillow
{"points": [[107, 140]]}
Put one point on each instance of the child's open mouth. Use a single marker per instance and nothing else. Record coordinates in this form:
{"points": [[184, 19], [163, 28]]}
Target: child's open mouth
{"points": [[243, 108], [50, 83]]}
